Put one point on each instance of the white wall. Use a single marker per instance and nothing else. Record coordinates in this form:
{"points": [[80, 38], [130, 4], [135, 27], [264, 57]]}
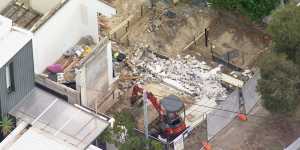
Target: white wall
{"points": [[104, 9], [76, 19], [94, 77], [3, 4], [43, 6], [110, 64]]}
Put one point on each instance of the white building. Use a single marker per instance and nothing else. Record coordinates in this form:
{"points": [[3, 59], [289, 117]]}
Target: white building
{"points": [[44, 119], [57, 24]]}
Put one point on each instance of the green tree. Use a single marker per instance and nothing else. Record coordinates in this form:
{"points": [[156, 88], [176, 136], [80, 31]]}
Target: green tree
{"points": [[278, 83], [257, 9], [284, 29], [254, 9], [6, 125], [133, 141], [225, 4]]}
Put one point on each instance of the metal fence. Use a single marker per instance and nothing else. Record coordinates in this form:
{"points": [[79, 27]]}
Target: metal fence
{"points": [[226, 111], [226, 59], [250, 94], [222, 115]]}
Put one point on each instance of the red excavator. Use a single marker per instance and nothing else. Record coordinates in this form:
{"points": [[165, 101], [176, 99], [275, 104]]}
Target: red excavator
{"points": [[171, 124]]}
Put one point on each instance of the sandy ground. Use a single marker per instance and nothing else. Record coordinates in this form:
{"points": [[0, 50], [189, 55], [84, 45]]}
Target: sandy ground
{"points": [[262, 131], [228, 32], [194, 141], [173, 34], [124, 9]]}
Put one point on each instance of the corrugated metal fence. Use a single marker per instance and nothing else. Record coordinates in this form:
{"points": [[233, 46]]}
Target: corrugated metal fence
{"points": [[250, 94], [224, 113]]}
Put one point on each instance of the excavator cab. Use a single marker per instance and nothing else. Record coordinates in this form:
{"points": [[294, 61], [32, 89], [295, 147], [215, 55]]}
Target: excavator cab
{"points": [[169, 110], [172, 122]]}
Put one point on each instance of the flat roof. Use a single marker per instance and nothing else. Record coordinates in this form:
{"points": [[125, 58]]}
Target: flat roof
{"points": [[56, 118], [12, 42], [35, 139]]}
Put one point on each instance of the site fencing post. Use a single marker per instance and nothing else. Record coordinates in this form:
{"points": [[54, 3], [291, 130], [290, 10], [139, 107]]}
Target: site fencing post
{"points": [[142, 10], [145, 99], [206, 38], [167, 146]]}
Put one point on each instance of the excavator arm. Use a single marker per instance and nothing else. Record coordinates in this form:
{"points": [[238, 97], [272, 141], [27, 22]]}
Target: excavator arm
{"points": [[139, 90]]}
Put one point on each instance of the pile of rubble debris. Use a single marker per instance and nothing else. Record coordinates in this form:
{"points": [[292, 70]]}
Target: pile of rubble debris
{"points": [[186, 74]]}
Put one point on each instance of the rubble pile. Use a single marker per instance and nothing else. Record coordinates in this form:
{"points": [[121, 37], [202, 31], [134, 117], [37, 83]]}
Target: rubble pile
{"points": [[184, 73]]}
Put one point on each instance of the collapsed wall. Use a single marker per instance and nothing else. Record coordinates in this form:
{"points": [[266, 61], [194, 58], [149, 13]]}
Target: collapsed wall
{"points": [[187, 74]]}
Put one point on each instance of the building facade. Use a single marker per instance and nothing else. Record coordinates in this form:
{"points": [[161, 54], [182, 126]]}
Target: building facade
{"points": [[16, 65], [57, 25]]}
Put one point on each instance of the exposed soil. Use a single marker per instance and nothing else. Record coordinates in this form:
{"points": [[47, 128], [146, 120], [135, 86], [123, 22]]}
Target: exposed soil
{"points": [[172, 34], [262, 131], [124, 9], [229, 32], [198, 135]]}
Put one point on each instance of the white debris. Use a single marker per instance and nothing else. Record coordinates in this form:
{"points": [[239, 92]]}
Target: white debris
{"points": [[248, 73], [186, 74], [177, 85]]}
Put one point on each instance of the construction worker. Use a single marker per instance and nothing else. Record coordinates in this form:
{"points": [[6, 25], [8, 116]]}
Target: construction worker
{"points": [[118, 56]]}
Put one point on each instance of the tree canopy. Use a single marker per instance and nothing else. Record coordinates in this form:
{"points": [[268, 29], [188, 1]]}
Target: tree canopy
{"points": [[125, 123], [279, 83], [254, 9], [284, 29]]}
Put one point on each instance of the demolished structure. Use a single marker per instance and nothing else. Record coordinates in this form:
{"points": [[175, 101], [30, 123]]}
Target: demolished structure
{"points": [[186, 74], [74, 61], [211, 96], [193, 80]]}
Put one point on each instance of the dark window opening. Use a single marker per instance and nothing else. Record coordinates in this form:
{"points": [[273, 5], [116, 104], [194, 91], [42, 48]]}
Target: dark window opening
{"points": [[10, 82]]}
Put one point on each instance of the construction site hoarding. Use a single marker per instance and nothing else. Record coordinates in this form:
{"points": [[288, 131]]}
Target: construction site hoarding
{"points": [[222, 115], [227, 110], [251, 96]]}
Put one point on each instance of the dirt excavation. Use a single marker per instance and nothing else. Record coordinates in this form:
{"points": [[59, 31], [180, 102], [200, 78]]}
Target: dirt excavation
{"points": [[179, 29], [229, 33], [169, 32], [124, 9]]}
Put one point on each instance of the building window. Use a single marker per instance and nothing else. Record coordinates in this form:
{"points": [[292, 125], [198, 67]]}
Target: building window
{"points": [[10, 84]]}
